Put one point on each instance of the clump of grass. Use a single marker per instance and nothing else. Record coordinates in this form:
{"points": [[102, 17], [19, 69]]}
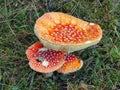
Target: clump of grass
{"points": [[101, 62]]}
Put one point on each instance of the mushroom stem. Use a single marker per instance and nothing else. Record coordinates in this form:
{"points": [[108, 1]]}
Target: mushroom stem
{"points": [[47, 75]]}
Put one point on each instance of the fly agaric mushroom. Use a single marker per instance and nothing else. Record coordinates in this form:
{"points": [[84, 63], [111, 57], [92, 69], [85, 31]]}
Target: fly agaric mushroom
{"points": [[72, 64], [59, 31], [33, 49], [44, 60]]}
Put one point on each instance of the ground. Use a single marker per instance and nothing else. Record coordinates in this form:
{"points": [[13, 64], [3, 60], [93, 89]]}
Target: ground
{"points": [[101, 70]]}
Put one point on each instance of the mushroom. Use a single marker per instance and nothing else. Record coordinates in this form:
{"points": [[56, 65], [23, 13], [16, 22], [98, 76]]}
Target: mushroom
{"points": [[72, 64], [44, 60], [33, 49], [63, 32]]}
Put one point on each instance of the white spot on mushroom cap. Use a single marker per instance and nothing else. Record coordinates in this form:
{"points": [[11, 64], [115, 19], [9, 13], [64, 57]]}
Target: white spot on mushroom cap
{"points": [[54, 64], [35, 55], [33, 49], [73, 22], [45, 63], [57, 21]]}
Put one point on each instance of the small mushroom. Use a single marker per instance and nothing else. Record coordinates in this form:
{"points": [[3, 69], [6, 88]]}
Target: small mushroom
{"points": [[72, 64], [44, 60], [33, 49], [59, 31]]}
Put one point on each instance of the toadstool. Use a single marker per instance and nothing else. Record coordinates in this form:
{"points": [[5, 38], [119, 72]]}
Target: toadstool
{"points": [[59, 31], [44, 60], [72, 64], [33, 49]]}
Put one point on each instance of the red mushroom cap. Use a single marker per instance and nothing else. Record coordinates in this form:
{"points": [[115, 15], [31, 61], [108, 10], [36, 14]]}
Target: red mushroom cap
{"points": [[59, 31], [72, 64], [33, 49], [44, 60]]}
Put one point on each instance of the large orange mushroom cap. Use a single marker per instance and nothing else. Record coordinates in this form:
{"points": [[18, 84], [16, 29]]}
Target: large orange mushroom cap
{"points": [[72, 64], [44, 60], [59, 31]]}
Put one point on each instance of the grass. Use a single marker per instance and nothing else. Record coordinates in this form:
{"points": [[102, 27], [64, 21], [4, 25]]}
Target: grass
{"points": [[101, 70]]}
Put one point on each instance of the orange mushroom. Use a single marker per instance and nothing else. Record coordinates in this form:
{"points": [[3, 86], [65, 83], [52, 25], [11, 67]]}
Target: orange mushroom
{"points": [[59, 31], [72, 64], [44, 60]]}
